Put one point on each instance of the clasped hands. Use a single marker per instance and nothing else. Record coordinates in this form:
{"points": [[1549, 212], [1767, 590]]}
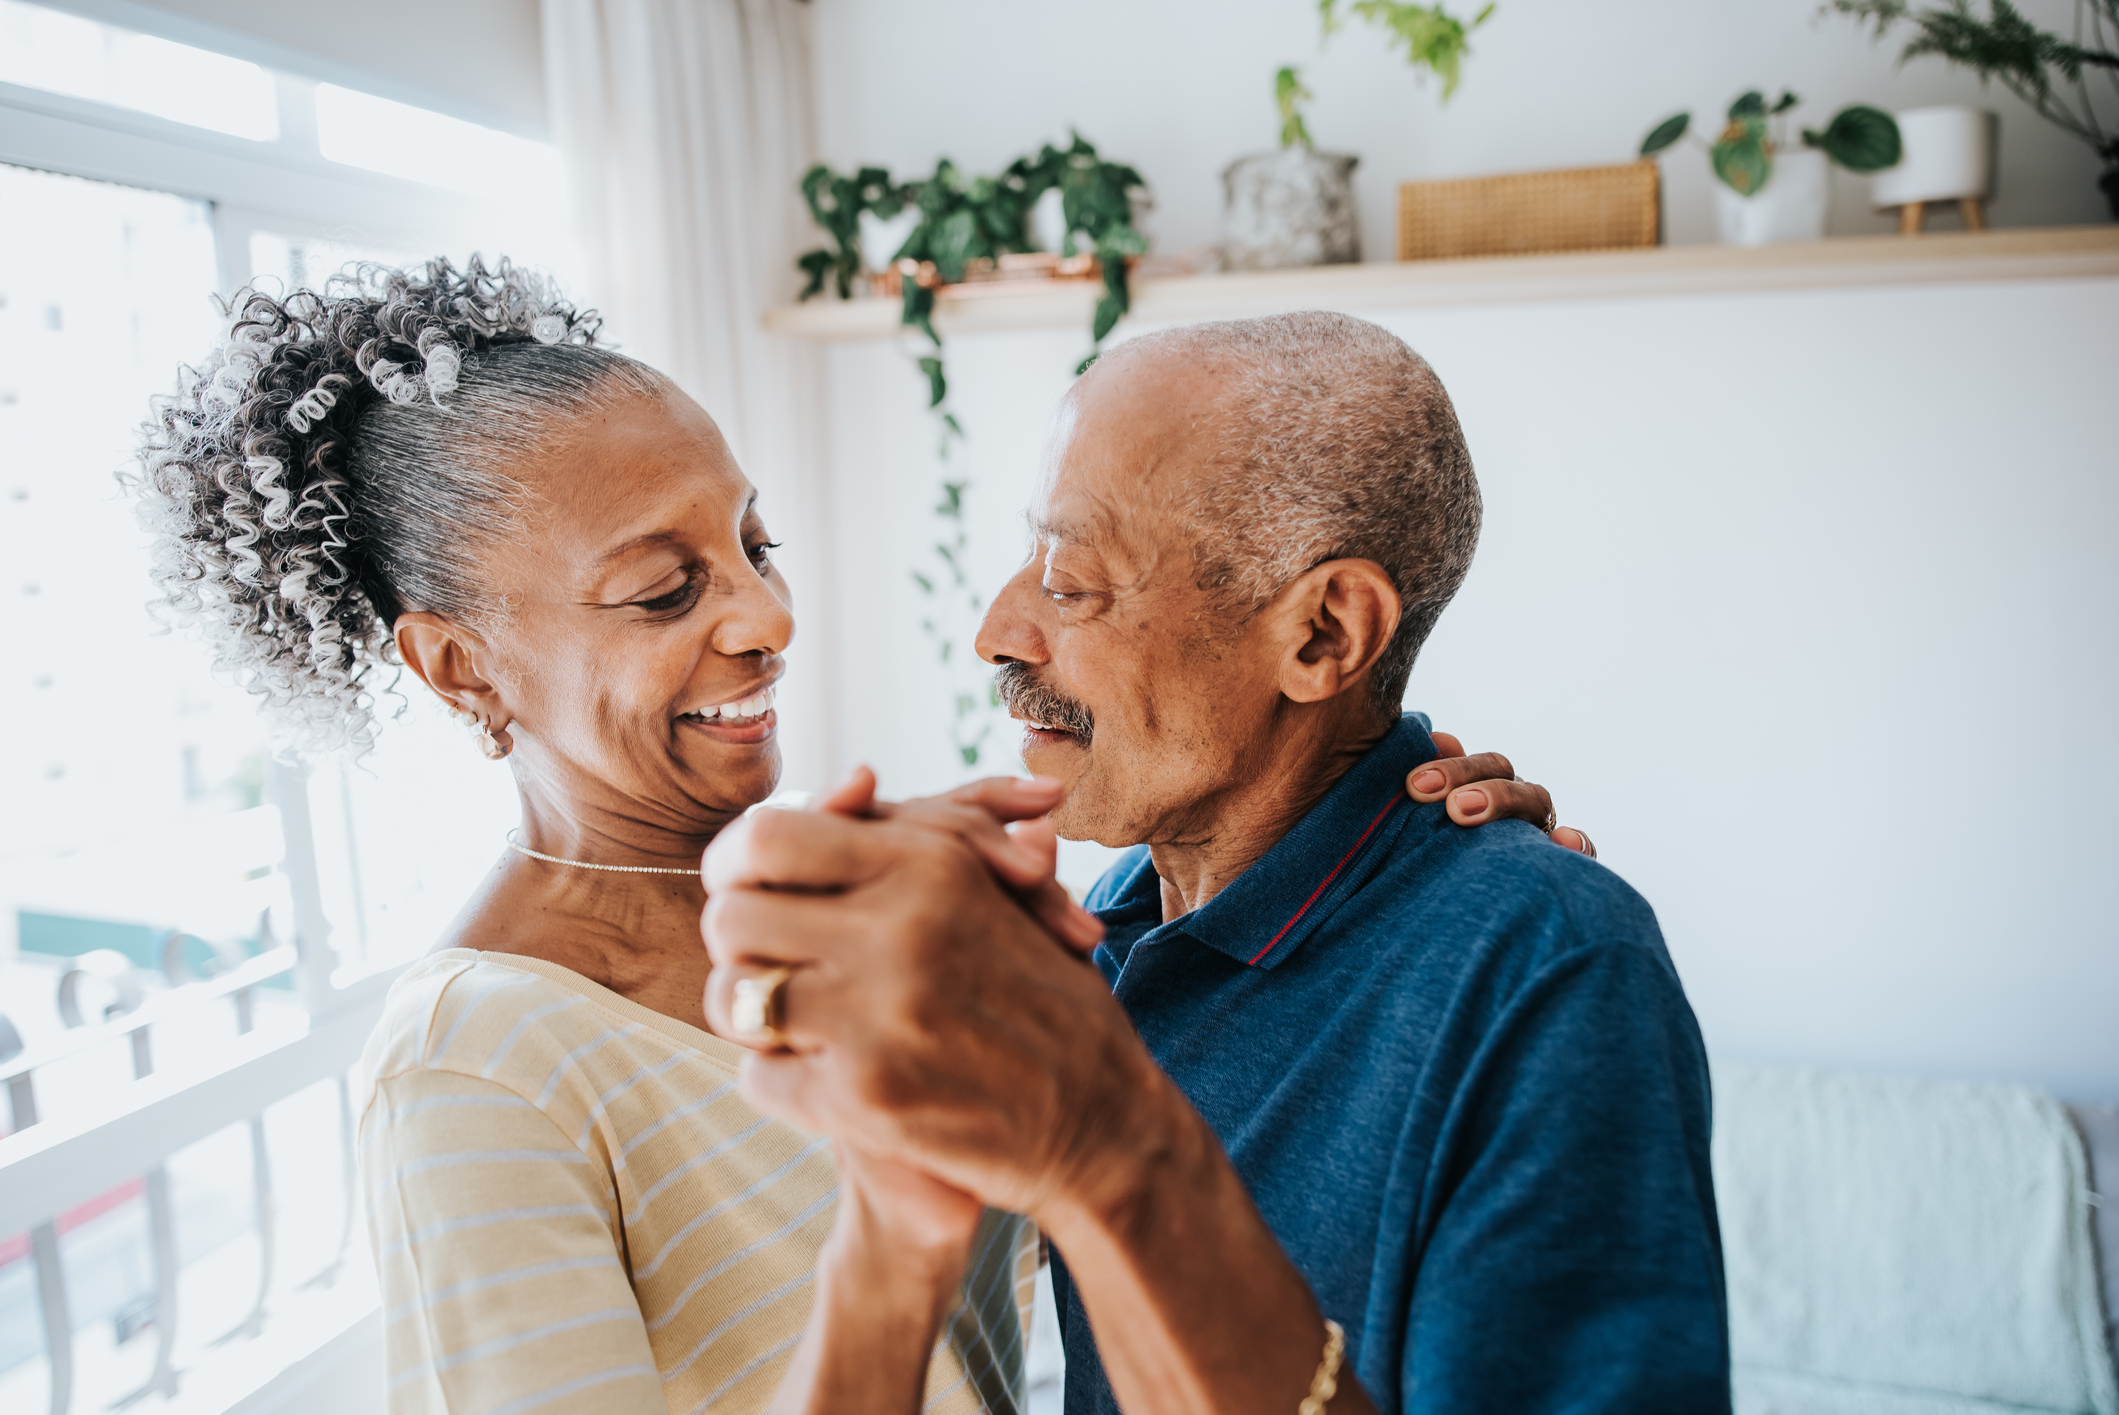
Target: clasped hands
{"points": [[940, 1014], [938, 1017], [941, 1021]]}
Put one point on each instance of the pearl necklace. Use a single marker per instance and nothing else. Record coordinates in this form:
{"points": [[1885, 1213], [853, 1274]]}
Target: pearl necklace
{"points": [[521, 849]]}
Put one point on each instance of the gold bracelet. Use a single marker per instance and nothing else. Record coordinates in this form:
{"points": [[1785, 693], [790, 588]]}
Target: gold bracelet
{"points": [[1325, 1384]]}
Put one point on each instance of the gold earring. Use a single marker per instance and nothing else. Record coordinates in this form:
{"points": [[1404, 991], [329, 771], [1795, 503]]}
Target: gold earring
{"points": [[488, 744]]}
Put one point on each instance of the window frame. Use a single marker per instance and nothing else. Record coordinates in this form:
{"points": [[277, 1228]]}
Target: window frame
{"points": [[285, 186], [288, 188]]}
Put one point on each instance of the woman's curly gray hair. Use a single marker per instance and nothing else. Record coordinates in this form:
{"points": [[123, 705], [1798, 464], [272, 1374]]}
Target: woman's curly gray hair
{"points": [[342, 458]]}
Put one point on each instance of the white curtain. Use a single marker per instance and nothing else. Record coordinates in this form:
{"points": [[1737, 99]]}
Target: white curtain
{"points": [[685, 126]]}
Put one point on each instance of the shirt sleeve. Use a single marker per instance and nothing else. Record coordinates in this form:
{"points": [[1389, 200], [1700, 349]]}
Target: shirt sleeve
{"points": [[504, 1286], [1576, 1261]]}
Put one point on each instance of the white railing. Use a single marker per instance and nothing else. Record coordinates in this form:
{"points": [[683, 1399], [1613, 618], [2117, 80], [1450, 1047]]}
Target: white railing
{"points": [[50, 1165]]}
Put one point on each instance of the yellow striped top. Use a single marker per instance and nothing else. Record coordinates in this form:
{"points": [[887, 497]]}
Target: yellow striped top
{"points": [[573, 1209]]}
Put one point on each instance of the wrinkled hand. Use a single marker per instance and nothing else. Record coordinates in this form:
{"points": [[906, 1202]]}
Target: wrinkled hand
{"points": [[1484, 788], [1002, 819], [929, 1019], [904, 1210]]}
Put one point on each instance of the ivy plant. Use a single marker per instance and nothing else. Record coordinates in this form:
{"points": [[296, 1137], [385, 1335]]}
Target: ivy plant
{"points": [[962, 219], [1431, 37], [837, 203], [1859, 138], [952, 597]]}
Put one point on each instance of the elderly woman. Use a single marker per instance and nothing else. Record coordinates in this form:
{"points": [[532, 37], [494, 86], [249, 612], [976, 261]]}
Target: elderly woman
{"points": [[571, 1205]]}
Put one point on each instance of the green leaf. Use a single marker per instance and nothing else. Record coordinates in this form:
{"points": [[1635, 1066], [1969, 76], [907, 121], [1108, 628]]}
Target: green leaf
{"points": [[1431, 37], [1861, 139], [970, 754], [1665, 133], [1115, 284], [1785, 102], [924, 583], [1121, 239], [919, 312], [956, 240], [1741, 159], [1290, 95], [1108, 311], [817, 264], [1750, 105], [937, 383], [1083, 367]]}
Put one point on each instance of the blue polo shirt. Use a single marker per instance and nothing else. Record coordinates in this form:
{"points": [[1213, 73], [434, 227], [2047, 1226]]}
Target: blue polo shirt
{"points": [[1457, 1072]]}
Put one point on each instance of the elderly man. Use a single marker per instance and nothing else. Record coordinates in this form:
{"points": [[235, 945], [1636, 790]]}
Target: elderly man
{"points": [[1344, 1068]]}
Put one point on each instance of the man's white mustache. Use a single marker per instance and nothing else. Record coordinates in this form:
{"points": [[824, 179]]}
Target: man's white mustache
{"points": [[1035, 702]]}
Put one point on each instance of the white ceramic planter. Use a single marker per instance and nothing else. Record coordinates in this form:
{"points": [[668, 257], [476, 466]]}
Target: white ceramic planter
{"points": [[1048, 221], [1949, 154], [1791, 206], [880, 239]]}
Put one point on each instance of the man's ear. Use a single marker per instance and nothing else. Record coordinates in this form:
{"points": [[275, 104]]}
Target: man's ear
{"points": [[445, 655], [1336, 620]]}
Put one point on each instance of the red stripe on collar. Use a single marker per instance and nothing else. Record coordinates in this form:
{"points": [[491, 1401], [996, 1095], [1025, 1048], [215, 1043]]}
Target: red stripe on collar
{"points": [[1397, 800]]}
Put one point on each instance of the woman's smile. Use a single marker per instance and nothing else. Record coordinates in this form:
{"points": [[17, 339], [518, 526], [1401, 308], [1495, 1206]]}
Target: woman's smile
{"points": [[746, 721]]}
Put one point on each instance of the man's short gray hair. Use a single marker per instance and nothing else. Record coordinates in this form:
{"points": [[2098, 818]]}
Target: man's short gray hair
{"points": [[1338, 442]]}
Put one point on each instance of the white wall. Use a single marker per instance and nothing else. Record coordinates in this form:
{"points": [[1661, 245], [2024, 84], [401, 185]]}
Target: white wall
{"points": [[1180, 87], [1805, 605]]}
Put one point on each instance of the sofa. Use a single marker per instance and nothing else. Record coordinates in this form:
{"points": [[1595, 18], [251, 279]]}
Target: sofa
{"points": [[1898, 1246]]}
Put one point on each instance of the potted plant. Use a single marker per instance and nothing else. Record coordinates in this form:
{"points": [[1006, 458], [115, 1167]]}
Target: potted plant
{"points": [[1292, 207], [949, 228], [2050, 74], [1772, 190], [1295, 206], [1949, 158], [962, 226]]}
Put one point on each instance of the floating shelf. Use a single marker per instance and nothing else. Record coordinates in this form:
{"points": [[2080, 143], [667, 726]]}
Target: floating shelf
{"points": [[2058, 253]]}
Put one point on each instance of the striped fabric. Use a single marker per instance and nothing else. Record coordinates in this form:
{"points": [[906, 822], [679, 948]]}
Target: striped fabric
{"points": [[573, 1209]]}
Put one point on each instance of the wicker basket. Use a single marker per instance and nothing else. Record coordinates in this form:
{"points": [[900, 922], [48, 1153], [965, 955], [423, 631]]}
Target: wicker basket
{"points": [[1530, 213]]}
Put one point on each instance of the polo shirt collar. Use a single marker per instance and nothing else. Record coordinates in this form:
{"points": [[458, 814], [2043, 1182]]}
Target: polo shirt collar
{"points": [[1273, 906]]}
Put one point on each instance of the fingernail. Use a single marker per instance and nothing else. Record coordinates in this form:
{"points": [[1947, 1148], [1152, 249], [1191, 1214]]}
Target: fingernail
{"points": [[1427, 781], [1471, 802]]}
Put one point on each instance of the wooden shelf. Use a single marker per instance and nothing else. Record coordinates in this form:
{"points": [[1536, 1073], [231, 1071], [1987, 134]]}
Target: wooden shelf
{"points": [[2058, 253]]}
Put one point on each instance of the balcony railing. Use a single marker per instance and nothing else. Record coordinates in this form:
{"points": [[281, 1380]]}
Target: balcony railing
{"points": [[123, 1142]]}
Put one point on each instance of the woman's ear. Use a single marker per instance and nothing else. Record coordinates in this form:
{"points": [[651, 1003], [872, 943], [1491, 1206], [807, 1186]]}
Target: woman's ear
{"points": [[445, 657], [1338, 619]]}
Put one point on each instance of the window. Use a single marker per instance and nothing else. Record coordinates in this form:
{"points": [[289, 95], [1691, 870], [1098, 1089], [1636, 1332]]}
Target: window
{"points": [[61, 53], [362, 130], [118, 734], [141, 793]]}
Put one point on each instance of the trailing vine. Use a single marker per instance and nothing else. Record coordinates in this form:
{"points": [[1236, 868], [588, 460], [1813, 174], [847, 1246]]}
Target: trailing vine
{"points": [[963, 220]]}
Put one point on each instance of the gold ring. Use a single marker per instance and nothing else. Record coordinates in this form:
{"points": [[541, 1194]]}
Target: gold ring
{"points": [[758, 1005]]}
